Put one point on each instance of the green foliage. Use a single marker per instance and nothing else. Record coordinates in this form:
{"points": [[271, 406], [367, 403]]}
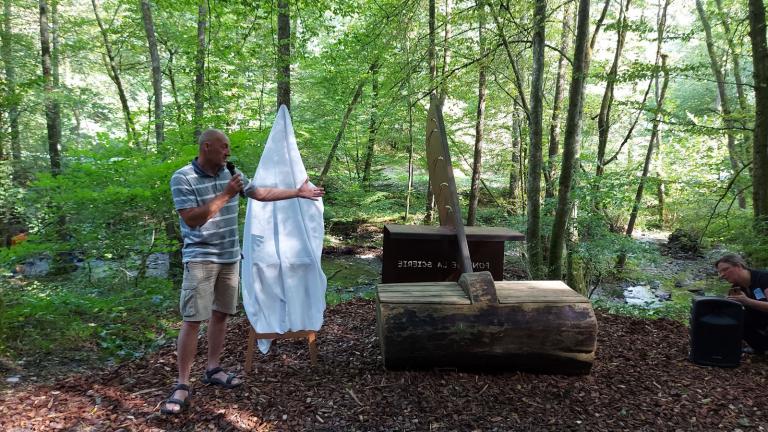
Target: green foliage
{"points": [[670, 310], [58, 317]]}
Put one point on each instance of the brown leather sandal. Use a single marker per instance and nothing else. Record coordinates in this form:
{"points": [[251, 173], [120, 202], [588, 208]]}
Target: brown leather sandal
{"points": [[183, 404]]}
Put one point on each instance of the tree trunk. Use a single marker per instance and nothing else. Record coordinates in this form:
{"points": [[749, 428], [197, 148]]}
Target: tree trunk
{"points": [[202, 22], [10, 81], [725, 105], [557, 101], [157, 77], [283, 54], [340, 134], [604, 116], [430, 201], [477, 161], [410, 157], [515, 164], [735, 59], [571, 141], [757, 36], [648, 156], [114, 74], [533, 235], [446, 55], [374, 124], [174, 91], [52, 115]]}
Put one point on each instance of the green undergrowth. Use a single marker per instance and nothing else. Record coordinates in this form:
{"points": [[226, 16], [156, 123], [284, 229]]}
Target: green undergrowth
{"points": [[69, 317], [674, 310], [47, 318]]}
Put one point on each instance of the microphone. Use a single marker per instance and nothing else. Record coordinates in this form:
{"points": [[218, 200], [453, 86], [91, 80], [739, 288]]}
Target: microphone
{"points": [[231, 169]]}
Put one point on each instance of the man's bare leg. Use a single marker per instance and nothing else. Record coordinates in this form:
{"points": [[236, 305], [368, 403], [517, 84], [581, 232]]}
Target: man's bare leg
{"points": [[186, 348], [217, 332]]}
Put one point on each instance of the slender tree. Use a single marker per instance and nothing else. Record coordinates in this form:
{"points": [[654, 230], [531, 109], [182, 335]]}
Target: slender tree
{"points": [[373, 126], [202, 23], [157, 76], [446, 54], [283, 53], [11, 98], [430, 199], [342, 128], [757, 28], [113, 70], [571, 142], [606, 104], [724, 98], [52, 114], [533, 232], [557, 101], [477, 161]]}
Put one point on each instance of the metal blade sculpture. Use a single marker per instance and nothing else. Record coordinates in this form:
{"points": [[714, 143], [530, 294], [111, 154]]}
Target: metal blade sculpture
{"points": [[442, 182]]}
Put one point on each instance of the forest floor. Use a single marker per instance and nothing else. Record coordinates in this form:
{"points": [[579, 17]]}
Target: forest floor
{"points": [[641, 380]]}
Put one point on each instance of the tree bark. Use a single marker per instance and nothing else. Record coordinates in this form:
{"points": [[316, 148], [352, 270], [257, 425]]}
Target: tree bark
{"points": [[477, 161], [430, 198], [446, 55], [515, 164], [10, 78], [757, 27], [604, 116], [725, 105], [114, 74], [622, 260], [283, 54], [52, 115], [746, 133], [172, 81], [533, 234], [735, 59], [340, 134], [157, 76], [202, 22], [373, 126], [571, 141], [557, 101], [648, 156]]}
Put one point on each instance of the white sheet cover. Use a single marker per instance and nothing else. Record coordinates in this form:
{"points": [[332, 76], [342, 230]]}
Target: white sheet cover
{"points": [[283, 285]]}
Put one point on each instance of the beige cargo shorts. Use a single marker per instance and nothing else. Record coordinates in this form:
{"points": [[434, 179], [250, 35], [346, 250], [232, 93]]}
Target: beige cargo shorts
{"points": [[209, 286]]}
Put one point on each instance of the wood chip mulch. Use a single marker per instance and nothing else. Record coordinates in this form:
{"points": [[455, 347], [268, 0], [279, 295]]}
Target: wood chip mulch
{"points": [[641, 380]]}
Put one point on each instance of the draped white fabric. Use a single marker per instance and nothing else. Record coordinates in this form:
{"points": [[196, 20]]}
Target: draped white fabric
{"points": [[282, 282]]}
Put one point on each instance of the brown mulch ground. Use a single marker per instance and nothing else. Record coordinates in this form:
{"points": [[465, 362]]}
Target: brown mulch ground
{"points": [[641, 380]]}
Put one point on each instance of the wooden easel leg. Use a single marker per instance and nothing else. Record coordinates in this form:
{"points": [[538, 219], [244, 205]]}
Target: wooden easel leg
{"points": [[311, 340], [249, 352]]}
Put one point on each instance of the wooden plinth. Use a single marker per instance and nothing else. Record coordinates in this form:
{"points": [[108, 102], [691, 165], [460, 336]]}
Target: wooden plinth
{"points": [[539, 326], [310, 335]]}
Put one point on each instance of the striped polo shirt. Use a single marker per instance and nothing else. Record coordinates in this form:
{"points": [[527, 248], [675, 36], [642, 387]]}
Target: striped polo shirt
{"points": [[216, 240]]}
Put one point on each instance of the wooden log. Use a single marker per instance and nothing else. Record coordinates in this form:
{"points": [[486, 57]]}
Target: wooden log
{"points": [[541, 326]]}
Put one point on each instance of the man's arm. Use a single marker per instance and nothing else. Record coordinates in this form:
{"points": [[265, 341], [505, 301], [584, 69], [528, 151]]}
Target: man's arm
{"points": [[276, 194], [197, 216]]}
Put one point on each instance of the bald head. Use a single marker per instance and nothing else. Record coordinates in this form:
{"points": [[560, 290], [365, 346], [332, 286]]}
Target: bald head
{"points": [[210, 135], [213, 151]]}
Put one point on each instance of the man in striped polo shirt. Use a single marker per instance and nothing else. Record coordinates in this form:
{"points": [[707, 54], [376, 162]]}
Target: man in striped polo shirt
{"points": [[205, 193]]}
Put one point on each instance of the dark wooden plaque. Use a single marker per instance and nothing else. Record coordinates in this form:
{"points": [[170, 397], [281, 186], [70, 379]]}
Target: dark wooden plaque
{"points": [[415, 253]]}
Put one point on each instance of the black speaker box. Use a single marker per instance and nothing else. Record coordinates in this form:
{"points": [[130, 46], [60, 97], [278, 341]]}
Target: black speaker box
{"points": [[716, 328]]}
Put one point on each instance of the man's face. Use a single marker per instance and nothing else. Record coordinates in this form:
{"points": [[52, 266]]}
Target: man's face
{"points": [[729, 272], [218, 150]]}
